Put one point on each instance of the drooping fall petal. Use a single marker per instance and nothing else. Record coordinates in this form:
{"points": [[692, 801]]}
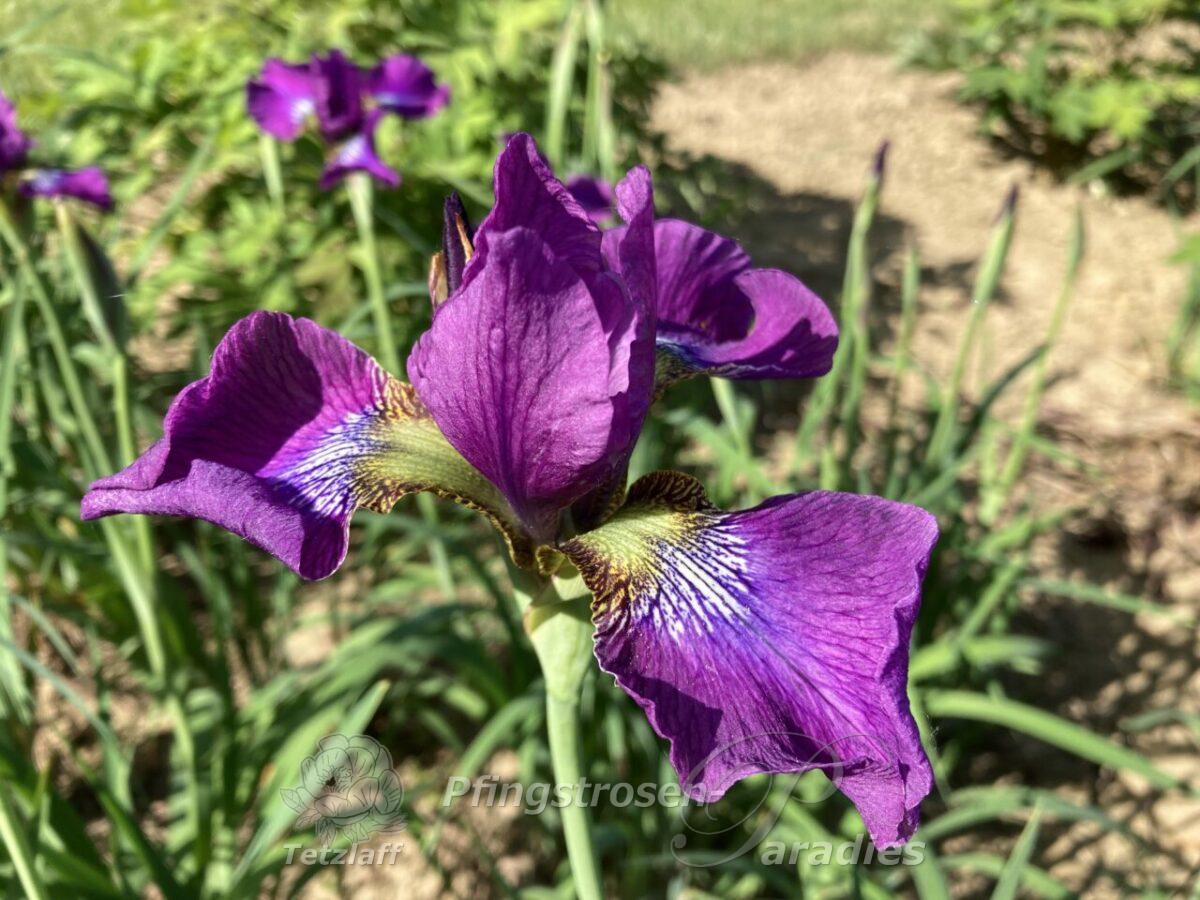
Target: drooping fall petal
{"points": [[769, 640], [291, 432], [88, 184], [357, 154], [282, 97], [718, 315]]}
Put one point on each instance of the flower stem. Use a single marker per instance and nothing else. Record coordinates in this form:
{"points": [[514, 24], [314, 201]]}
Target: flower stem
{"points": [[268, 150], [558, 620], [359, 186], [562, 727]]}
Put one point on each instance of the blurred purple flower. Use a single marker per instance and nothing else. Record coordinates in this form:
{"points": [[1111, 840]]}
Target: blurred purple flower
{"points": [[404, 85], [357, 154], [282, 97], [88, 184], [347, 103], [14, 143], [595, 195]]}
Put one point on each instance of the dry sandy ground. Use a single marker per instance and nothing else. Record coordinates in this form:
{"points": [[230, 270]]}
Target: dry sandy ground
{"points": [[802, 139], [804, 136]]}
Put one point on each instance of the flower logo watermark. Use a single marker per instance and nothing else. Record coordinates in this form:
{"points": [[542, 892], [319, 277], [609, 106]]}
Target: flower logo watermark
{"points": [[347, 790]]}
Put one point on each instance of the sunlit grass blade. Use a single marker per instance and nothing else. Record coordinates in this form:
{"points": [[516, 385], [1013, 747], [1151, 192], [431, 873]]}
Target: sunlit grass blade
{"points": [[1090, 593], [16, 693], [149, 245], [998, 493], [1022, 653], [987, 280], [16, 842], [1034, 879], [276, 814], [928, 878], [1013, 872], [850, 356], [1046, 727], [562, 74]]}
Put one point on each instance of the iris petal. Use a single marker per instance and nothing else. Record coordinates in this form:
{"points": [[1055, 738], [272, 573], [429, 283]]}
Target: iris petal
{"points": [[718, 315], [339, 94], [404, 85], [292, 431], [14, 143], [769, 640], [88, 184], [357, 154], [539, 367], [516, 369], [281, 98]]}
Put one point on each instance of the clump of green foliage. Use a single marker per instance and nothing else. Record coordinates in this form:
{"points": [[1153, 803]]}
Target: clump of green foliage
{"points": [[1095, 88], [428, 655]]}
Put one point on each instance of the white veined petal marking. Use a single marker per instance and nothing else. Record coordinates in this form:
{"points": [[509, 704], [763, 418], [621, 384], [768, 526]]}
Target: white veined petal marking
{"points": [[686, 583], [323, 479]]}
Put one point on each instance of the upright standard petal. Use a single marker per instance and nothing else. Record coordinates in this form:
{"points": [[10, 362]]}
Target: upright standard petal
{"points": [[357, 154], [634, 258], [294, 429], [518, 371], [406, 86], [529, 196], [88, 184], [595, 195], [14, 143], [717, 315], [282, 97], [539, 367], [340, 85], [769, 640]]}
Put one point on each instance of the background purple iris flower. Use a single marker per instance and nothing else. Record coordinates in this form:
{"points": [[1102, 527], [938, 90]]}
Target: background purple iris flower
{"points": [[595, 195], [767, 640], [88, 184], [14, 143], [347, 103]]}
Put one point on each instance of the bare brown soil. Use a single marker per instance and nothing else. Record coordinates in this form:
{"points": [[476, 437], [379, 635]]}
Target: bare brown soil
{"points": [[805, 135]]}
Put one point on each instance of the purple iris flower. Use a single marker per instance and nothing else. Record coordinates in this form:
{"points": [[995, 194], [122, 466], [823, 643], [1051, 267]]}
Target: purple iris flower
{"points": [[595, 195], [773, 639], [404, 85], [347, 103], [88, 184], [14, 143]]}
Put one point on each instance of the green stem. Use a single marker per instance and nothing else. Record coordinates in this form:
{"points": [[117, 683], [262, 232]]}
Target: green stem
{"points": [[360, 202], [359, 187], [562, 726], [558, 620], [268, 151]]}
